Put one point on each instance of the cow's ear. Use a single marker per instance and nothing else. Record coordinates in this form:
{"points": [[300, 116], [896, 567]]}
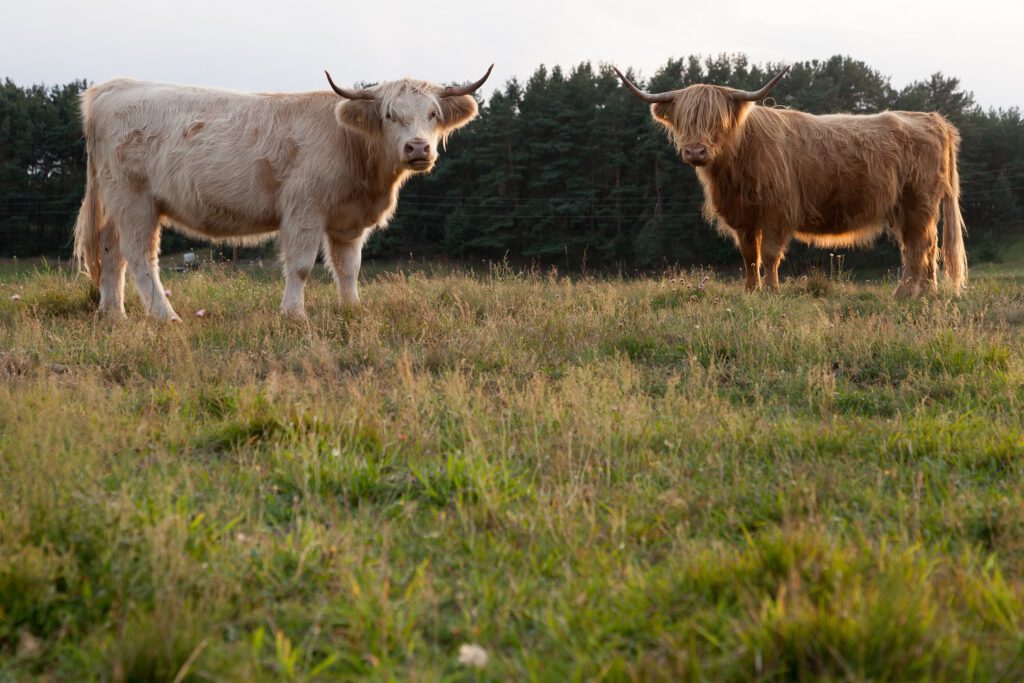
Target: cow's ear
{"points": [[662, 113], [456, 112], [359, 115]]}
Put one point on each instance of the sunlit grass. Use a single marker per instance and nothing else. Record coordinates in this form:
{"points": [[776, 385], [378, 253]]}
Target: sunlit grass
{"points": [[650, 479]]}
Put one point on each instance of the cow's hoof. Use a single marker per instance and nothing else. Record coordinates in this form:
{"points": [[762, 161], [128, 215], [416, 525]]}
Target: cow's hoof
{"points": [[294, 316], [906, 290], [113, 314], [349, 307]]}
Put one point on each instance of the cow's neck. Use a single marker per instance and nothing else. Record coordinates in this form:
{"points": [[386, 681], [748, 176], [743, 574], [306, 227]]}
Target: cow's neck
{"points": [[387, 179], [729, 171], [719, 175], [372, 172], [720, 178], [369, 191], [377, 170]]}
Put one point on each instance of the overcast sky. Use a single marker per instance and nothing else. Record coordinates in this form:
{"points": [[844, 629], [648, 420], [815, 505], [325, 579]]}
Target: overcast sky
{"points": [[284, 45]]}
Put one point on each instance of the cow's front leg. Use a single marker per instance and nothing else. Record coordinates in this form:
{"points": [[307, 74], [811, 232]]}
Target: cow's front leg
{"points": [[345, 258], [301, 237], [750, 248]]}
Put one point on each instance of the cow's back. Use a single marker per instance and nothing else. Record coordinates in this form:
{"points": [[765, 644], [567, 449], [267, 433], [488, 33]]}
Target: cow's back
{"points": [[843, 173], [214, 161]]}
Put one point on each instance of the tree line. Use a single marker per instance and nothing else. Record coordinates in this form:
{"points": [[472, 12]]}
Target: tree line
{"points": [[565, 168]]}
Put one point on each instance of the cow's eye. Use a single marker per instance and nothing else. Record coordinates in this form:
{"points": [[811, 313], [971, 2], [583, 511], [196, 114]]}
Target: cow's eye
{"points": [[433, 115]]}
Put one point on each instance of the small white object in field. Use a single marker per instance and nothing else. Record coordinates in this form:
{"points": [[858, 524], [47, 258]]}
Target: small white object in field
{"points": [[28, 644], [16, 297], [471, 654], [188, 258], [201, 313]]}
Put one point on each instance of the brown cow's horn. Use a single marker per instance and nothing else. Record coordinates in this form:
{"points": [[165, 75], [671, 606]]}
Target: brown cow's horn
{"points": [[349, 94], [453, 90], [653, 98], [755, 95]]}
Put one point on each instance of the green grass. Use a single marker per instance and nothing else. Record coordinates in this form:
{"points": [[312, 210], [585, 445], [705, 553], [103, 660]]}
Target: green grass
{"points": [[592, 479]]}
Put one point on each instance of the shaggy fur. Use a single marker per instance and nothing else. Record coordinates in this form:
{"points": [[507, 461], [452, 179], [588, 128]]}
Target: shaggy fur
{"points": [[832, 181], [320, 171]]}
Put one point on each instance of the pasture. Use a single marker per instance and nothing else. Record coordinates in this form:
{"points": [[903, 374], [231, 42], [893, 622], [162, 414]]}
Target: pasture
{"points": [[590, 478]]}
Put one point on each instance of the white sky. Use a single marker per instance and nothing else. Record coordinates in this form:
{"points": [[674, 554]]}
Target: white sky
{"points": [[284, 45]]}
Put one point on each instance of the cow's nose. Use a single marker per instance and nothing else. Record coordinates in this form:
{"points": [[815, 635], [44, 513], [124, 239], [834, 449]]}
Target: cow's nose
{"points": [[417, 148], [696, 153]]}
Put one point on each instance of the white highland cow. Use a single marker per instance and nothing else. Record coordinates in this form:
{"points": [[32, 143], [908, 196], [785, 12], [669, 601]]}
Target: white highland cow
{"points": [[319, 170]]}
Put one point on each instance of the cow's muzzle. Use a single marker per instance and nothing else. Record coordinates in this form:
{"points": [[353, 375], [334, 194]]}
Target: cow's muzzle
{"points": [[417, 154], [696, 155]]}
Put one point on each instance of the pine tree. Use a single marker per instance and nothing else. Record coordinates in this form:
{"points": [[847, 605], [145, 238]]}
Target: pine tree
{"points": [[939, 94]]}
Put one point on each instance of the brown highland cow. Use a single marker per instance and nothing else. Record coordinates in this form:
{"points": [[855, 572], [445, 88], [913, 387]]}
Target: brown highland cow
{"points": [[770, 175]]}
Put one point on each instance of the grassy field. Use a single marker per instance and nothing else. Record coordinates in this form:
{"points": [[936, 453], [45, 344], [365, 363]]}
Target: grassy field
{"points": [[590, 479]]}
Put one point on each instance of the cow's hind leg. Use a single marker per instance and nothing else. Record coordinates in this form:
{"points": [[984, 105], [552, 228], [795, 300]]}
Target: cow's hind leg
{"points": [[345, 257], [919, 251], [750, 248], [136, 218], [301, 238], [112, 269]]}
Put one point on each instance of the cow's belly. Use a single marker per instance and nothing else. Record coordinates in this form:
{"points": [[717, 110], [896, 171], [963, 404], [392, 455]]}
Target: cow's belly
{"points": [[216, 222], [838, 227], [223, 207], [839, 224], [849, 206]]}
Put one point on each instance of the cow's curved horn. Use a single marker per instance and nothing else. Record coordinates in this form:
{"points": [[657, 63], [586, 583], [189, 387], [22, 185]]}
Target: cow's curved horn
{"points": [[362, 94], [643, 95], [453, 90], [755, 95]]}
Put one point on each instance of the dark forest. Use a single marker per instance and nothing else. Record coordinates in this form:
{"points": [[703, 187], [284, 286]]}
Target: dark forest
{"points": [[565, 169]]}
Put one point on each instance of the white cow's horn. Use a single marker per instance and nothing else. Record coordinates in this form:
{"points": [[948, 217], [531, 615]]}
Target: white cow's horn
{"points": [[453, 90], [362, 94]]}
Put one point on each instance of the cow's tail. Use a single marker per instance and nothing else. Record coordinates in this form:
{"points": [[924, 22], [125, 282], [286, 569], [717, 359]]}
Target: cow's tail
{"points": [[954, 256], [90, 216]]}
